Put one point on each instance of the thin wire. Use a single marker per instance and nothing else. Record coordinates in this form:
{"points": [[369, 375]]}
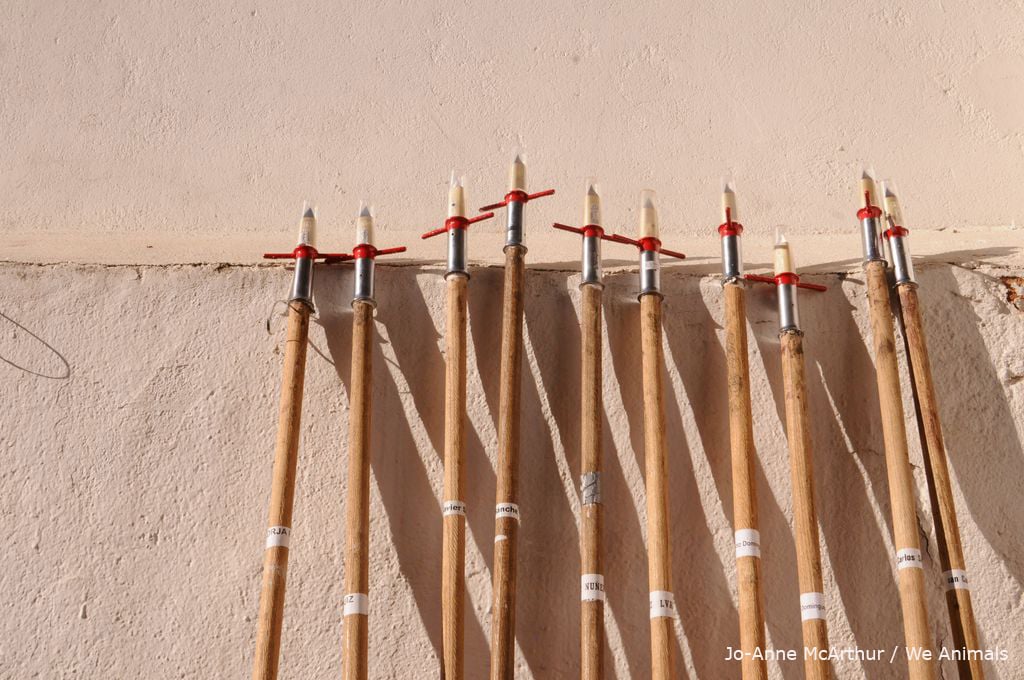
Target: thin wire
{"points": [[67, 366]]}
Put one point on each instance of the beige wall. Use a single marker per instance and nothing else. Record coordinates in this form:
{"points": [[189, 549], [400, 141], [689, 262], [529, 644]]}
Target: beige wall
{"points": [[145, 145], [136, 489]]}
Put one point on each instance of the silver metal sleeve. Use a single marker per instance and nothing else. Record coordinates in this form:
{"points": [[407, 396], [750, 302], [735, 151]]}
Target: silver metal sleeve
{"points": [[789, 314], [591, 260], [364, 279], [902, 267], [514, 230], [650, 272], [732, 263], [302, 284], [457, 252], [871, 239]]}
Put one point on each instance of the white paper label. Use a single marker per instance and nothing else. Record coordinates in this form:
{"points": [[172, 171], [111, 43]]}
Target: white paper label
{"points": [[909, 558], [507, 510], [592, 588], [454, 508], [663, 605], [748, 543], [812, 606], [356, 603], [956, 579], [278, 537]]}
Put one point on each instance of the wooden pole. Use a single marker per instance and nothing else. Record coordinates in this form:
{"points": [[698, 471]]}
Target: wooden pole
{"points": [[805, 519], [592, 510], [659, 549], [357, 511], [744, 491], [947, 529], [506, 525], [453, 560], [910, 571], [282, 495]]}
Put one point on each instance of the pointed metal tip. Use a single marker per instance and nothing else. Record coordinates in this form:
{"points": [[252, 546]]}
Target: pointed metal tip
{"points": [[592, 189], [887, 189], [518, 159], [308, 210], [364, 209], [867, 173], [308, 213], [728, 188]]}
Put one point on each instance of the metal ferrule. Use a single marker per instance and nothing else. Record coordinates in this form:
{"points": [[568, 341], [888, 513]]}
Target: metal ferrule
{"points": [[902, 268], [871, 238], [302, 284], [650, 272], [732, 263], [789, 315], [591, 261], [364, 279], [457, 252], [514, 230]]}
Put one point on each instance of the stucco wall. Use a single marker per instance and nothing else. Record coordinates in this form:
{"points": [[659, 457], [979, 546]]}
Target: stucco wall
{"points": [[135, 490]]}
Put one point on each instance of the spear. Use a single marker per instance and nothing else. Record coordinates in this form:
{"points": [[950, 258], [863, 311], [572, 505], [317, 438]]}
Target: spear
{"points": [[798, 431], [357, 512], [951, 552], [507, 517], [909, 564], [659, 550], [286, 450], [592, 594], [741, 431], [453, 558]]}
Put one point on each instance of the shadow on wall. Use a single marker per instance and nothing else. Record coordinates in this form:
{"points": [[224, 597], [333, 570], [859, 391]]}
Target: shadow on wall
{"points": [[850, 468]]}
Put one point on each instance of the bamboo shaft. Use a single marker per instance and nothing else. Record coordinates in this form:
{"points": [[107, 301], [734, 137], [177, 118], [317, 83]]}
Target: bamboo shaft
{"points": [[951, 553], [357, 511], [592, 513], [659, 550], [282, 493], [901, 482], [506, 526], [744, 490], [453, 560], [805, 518]]}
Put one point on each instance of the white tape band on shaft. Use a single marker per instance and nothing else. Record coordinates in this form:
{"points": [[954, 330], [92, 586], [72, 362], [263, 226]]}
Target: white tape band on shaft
{"points": [[956, 579], [507, 510], [812, 606], [663, 605], [356, 603], [278, 537], [748, 543], [592, 588], [909, 558], [454, 508]]}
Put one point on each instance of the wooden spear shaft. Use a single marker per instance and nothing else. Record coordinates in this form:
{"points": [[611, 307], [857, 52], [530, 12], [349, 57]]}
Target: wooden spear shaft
{"points": [[453, 558], [805, 519], [659, 550], [744, 492], [592, 509], [357, 512], [506, 525], [951, 553], [910, 572], [282, 495]]}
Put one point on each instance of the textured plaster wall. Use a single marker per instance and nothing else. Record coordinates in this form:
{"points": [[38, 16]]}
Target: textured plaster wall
{"points": [[134, 491]]}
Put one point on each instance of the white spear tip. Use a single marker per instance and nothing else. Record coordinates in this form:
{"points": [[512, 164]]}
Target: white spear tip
{"points": [[307, 209], [364, 209], [591, 189], [456, 180], [780, 237]]}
